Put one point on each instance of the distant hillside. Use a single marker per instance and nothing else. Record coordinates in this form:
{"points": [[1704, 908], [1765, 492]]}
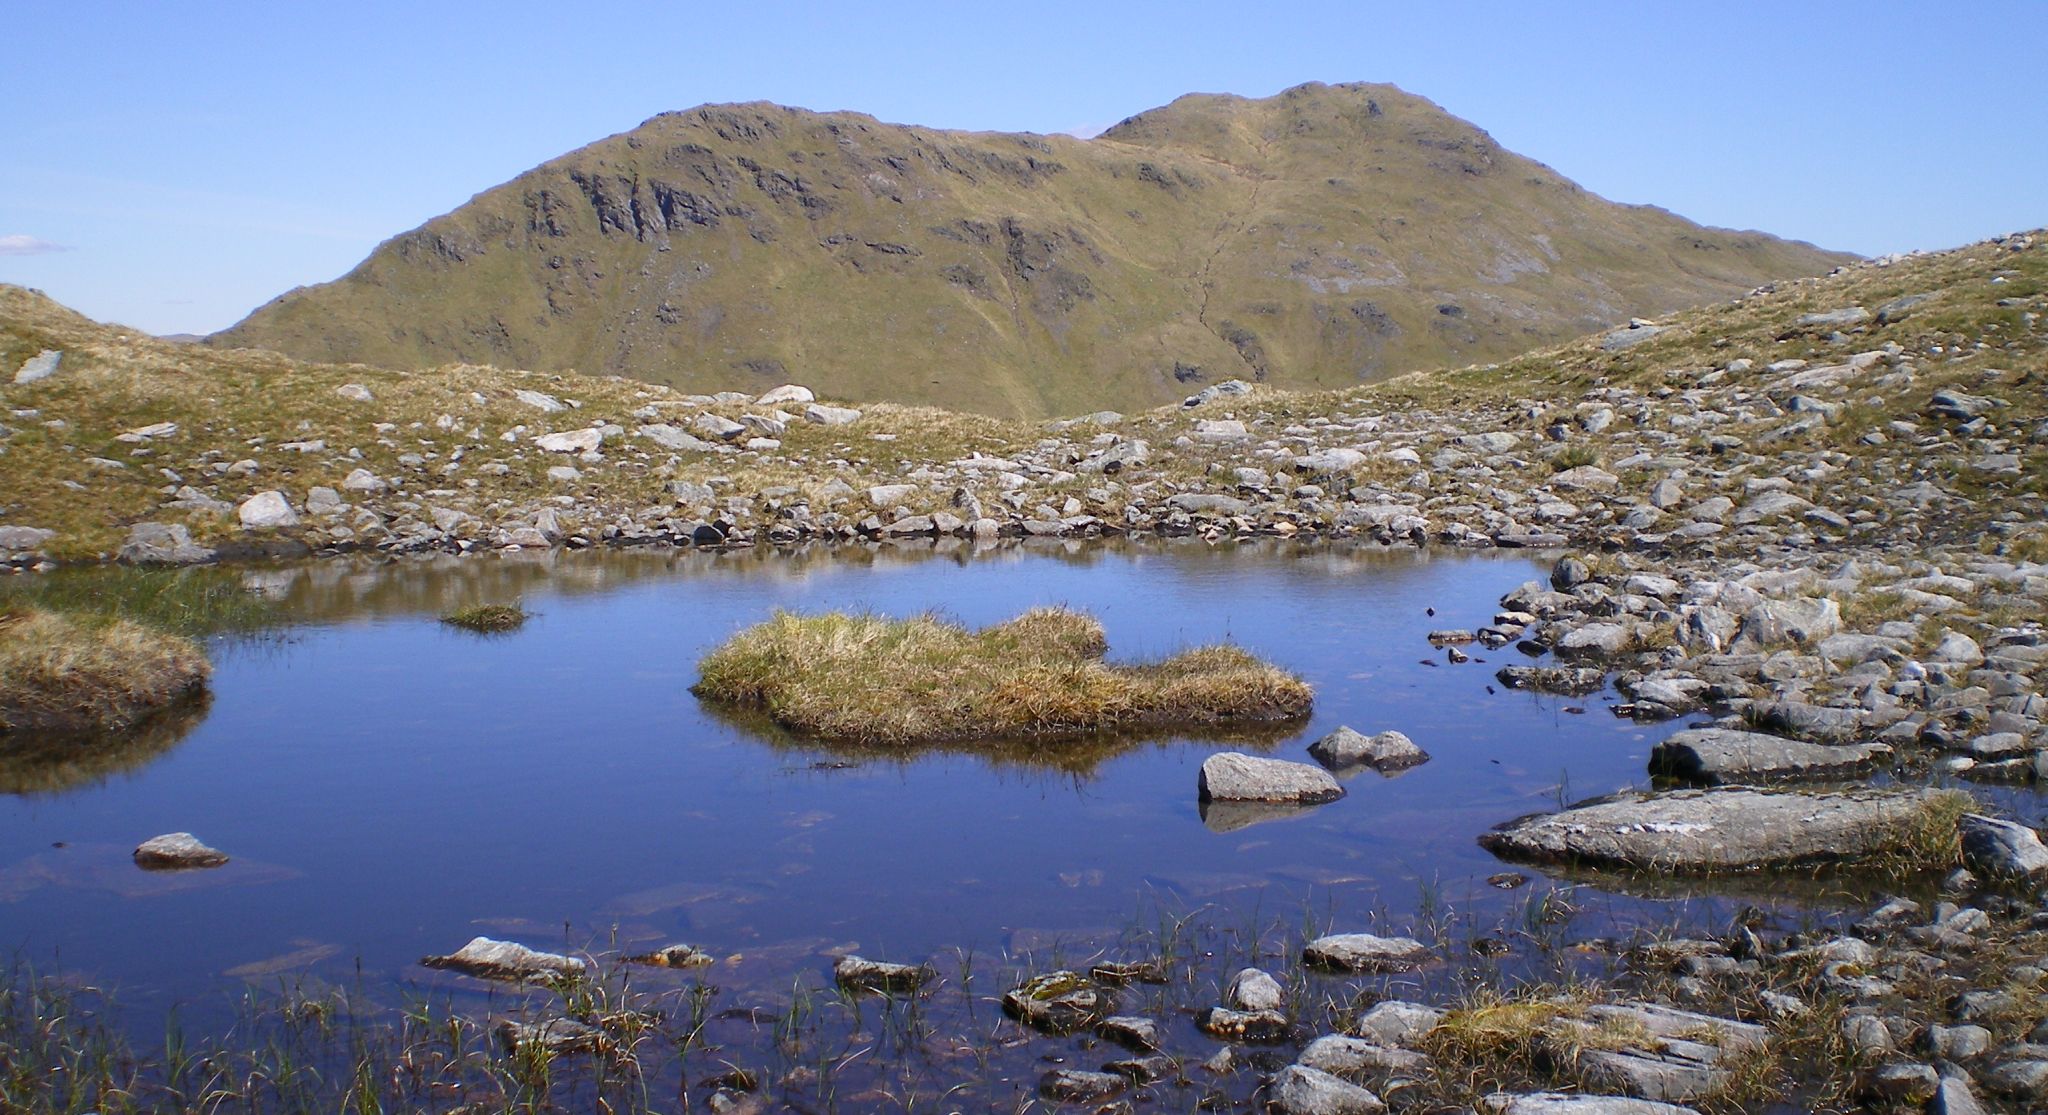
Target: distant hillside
{"points": [[1323, 237]]}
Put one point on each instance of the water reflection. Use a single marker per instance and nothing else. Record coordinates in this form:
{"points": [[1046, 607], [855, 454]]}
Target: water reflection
{"points": [[38, 763]]}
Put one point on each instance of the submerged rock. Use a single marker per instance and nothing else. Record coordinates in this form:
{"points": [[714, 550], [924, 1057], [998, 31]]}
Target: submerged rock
{"points": [[874, 975], [1365, 952], [1233, 776], [1131, 1031], [674, 956], [1077, 1086], [504, 960], [1569, 681], [556, 1035], [1387, 752], [1058, 1002], [1715, 830], [176, 851], [1244, 1025], [1712, 756]]}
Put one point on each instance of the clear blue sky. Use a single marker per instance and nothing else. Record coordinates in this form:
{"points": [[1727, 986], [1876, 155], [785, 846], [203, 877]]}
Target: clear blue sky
{"points": [[172, 165]]}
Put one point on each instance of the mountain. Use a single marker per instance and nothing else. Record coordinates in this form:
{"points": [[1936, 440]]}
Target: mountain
{"points": [[1323, 237]]}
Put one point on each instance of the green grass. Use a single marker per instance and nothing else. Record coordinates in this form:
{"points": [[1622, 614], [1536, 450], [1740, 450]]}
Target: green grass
{"points": [[867, 679], [487, 619]]}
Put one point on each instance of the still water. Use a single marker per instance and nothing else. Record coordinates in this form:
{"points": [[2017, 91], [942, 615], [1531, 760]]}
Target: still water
{"points": [[390, 787]]}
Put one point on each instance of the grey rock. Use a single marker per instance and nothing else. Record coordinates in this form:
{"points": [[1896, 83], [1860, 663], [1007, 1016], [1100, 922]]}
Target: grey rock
{"points": [[1595, 640], [1558, 1103], [1254, 989], [890, 495], [1058, 1002], [1569, 573], [363, 480], [1709, 830], [1395, 1022], [787, 393], [674, 438], [571, 441], [266, 510], [1629, 338], [1229, 388], [1954, 1097], [355, 392], [506, 960], [1902, 1082], [1799, 621], [18, 539], [1717, 756], [862, 974], [1386, 752], [1300, 1090], [1836, 319], [42, 365], [1365, 952], [555, 1036], [1234, 776], [1117, 458], [2001, 849], [1813, 722], [819, 414], [1957, 1043], [1232, 1024], [540, 401], [1354, 1058], [1220, 429], [1130, 1031], [1902, 307], [1566, 680], [176, 850], [162, 544], [2024, 1078], [718, 426], [1079, 1086]]}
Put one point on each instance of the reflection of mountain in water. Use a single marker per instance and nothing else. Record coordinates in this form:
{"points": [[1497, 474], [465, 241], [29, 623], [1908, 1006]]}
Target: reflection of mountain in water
{"points": [[36, 763], [336, 589], [1077, 756]]}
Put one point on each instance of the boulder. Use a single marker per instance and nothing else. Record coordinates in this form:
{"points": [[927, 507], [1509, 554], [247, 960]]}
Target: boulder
{"points": [[889, 495], [674, 438], [162, 544], [1130, 1031], [1777, 622], [860, 974], [1254, 989], [1386, 752], [1233, 776], [1365, 952], [547, 404], [1395, 1022], [1716, 756], [718, 426], [355, 392], [1714, 830], [1558, 1103], [18, 539], [1058, 1002], [363, 480], [266, 510], [1354, 1058], [1570, 681], [1079, 1086], [787, 393], [505, 960], [176, 851], [818, 414], [1232, 1024], [2001, 849], [42, 365], [1301, 1090], [571, 441]]}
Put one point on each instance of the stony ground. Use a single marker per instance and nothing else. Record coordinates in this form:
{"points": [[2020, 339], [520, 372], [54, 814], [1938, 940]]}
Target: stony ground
{"points": [[1814, 515]]}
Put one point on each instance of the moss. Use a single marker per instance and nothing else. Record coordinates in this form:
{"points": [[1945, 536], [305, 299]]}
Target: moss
{"points": [[867, 679], [67, 675]]}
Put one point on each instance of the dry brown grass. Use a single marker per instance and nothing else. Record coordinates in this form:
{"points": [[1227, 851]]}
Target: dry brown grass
{"points": [[66, 675], [870, 679]]}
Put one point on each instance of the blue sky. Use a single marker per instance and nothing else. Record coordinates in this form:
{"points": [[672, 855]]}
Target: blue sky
{"points": [[171, 166]]}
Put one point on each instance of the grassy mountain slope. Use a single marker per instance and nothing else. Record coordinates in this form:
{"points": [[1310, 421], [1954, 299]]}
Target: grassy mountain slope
{"points": [[457, 438], [1324, 237]]}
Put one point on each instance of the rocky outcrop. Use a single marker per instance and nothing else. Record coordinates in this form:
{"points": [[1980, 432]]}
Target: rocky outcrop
{"points": [[1716, 830]]}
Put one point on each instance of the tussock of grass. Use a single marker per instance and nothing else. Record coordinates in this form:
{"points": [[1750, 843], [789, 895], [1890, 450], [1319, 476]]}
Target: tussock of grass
{"points": [[64, 674], [487, 619], [869, 679]]}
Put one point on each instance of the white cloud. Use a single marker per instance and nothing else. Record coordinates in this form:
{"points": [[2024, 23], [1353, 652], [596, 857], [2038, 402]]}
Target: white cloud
{"points": [[22, 245]]}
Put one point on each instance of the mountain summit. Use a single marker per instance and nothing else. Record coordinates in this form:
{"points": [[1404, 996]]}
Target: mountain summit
{"points": [[1322, 237]]}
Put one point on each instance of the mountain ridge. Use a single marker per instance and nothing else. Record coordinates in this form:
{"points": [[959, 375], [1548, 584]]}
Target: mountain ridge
{"points": [[1323, 237]]}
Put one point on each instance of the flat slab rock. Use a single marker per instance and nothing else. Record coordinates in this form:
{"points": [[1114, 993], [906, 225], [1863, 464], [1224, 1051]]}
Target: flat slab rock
{"points": [[1233, 776], [1558, 1103], [1714, 756], [504, 960], [1365, 952], [1712, 830]]}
